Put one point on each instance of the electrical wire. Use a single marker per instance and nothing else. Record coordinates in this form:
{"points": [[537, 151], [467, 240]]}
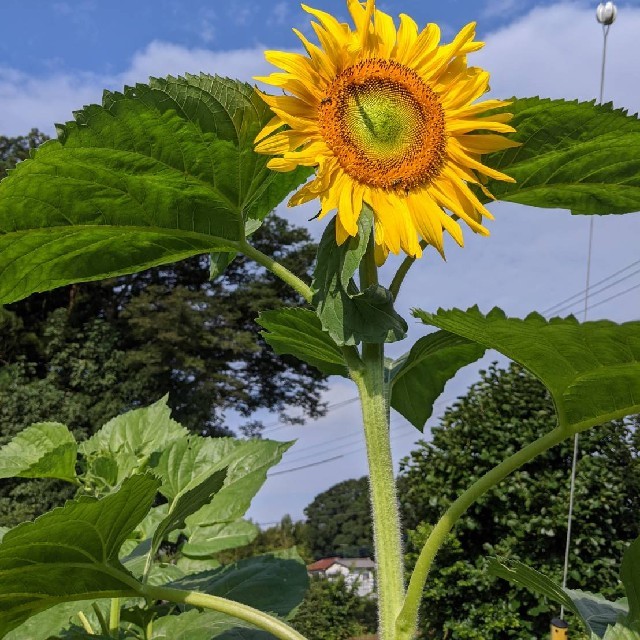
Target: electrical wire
{"points": [[580, 296]]}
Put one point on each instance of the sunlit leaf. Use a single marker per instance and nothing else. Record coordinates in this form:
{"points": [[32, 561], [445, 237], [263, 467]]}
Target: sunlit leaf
{"points": [[129, 443], [208, 540], [592, 369], [298, 332], [71, 553], [43, 450], [574, 155], [419, 377], [160, 172]]}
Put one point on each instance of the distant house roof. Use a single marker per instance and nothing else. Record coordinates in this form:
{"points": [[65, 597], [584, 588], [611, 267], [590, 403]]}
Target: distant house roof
{"points": [[322, 565], [350, 563]]}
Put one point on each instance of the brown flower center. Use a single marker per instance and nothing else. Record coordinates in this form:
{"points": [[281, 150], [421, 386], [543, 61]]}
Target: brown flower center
{"points": [[385, 125]]}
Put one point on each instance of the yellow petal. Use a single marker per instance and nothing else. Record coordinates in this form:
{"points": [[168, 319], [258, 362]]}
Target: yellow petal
{"points": [[324, 64], [273, 125], [294, 63], [407, 35], [386, 34], [486, 143]]}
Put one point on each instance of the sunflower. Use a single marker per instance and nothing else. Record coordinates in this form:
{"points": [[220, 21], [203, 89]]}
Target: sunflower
{"points": [[385, 115]]}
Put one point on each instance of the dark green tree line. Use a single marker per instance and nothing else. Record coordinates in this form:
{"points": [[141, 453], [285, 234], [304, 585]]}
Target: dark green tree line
{"points": [[525, 517], [339, 521]]}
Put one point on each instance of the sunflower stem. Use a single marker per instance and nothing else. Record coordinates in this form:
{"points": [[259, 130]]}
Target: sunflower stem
{"points": [[408, 619], [402, 271], [263, 621], [278, 270], [371, 385]]}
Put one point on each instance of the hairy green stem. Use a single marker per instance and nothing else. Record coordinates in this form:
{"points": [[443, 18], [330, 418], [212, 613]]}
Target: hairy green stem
{"points": [[241, 611], [386, 521], [103, 623], [114, 618], [408, 619], [277, 269], [402, 271]]}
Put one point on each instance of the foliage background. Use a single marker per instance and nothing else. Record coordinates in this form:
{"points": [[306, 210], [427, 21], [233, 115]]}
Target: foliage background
{"points": [[525, 517]]}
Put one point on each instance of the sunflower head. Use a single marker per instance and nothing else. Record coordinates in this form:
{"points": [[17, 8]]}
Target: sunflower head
{"points": [[387, 116]]}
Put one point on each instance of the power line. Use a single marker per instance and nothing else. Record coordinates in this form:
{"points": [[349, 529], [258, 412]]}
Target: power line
{"points": [[333, 458], [269, 428], [580, 295]]}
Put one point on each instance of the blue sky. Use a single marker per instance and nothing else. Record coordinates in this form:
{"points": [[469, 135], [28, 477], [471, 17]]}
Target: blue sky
{"points": [[60, 56]]}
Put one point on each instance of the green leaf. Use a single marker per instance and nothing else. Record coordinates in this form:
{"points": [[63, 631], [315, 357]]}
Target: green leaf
{"points": [[591, 369], [419, 377], [298, 332], [194, 496], [350, 316], [3, 531], [274, 583], [620, 632], [247, 460], [129, 443], [630, 575], [220, 260], [595, 612], [43, 450], [580, 156], [520, 574], [206, 541], [196, 565], [158, 173], [71, 553], [195, 625], [54, 622]]}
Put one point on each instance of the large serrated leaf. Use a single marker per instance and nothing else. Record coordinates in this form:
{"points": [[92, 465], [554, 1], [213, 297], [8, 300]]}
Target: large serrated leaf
{"points": [[350, 316], [575, 155], [419, 377], [298, 332], [71, 553], [274, 582], [128, 442], [247, 463], [158, 173], [194, 496], [592, 369], [206, 541], [43, 450]]}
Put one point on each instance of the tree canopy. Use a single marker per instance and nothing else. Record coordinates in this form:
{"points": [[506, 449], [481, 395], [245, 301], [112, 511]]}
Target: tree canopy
{"points": [[526, 516], [339, 521]]}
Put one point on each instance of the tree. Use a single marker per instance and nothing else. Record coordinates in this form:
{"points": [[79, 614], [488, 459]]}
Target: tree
{"points": [[85, 353], [339, 521], [13, 150], [283, 535], [332, 610], [525, 517]]}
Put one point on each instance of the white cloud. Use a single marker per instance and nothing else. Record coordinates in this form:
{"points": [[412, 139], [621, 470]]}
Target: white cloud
{"points": [[29, 101], [556, 52]]}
